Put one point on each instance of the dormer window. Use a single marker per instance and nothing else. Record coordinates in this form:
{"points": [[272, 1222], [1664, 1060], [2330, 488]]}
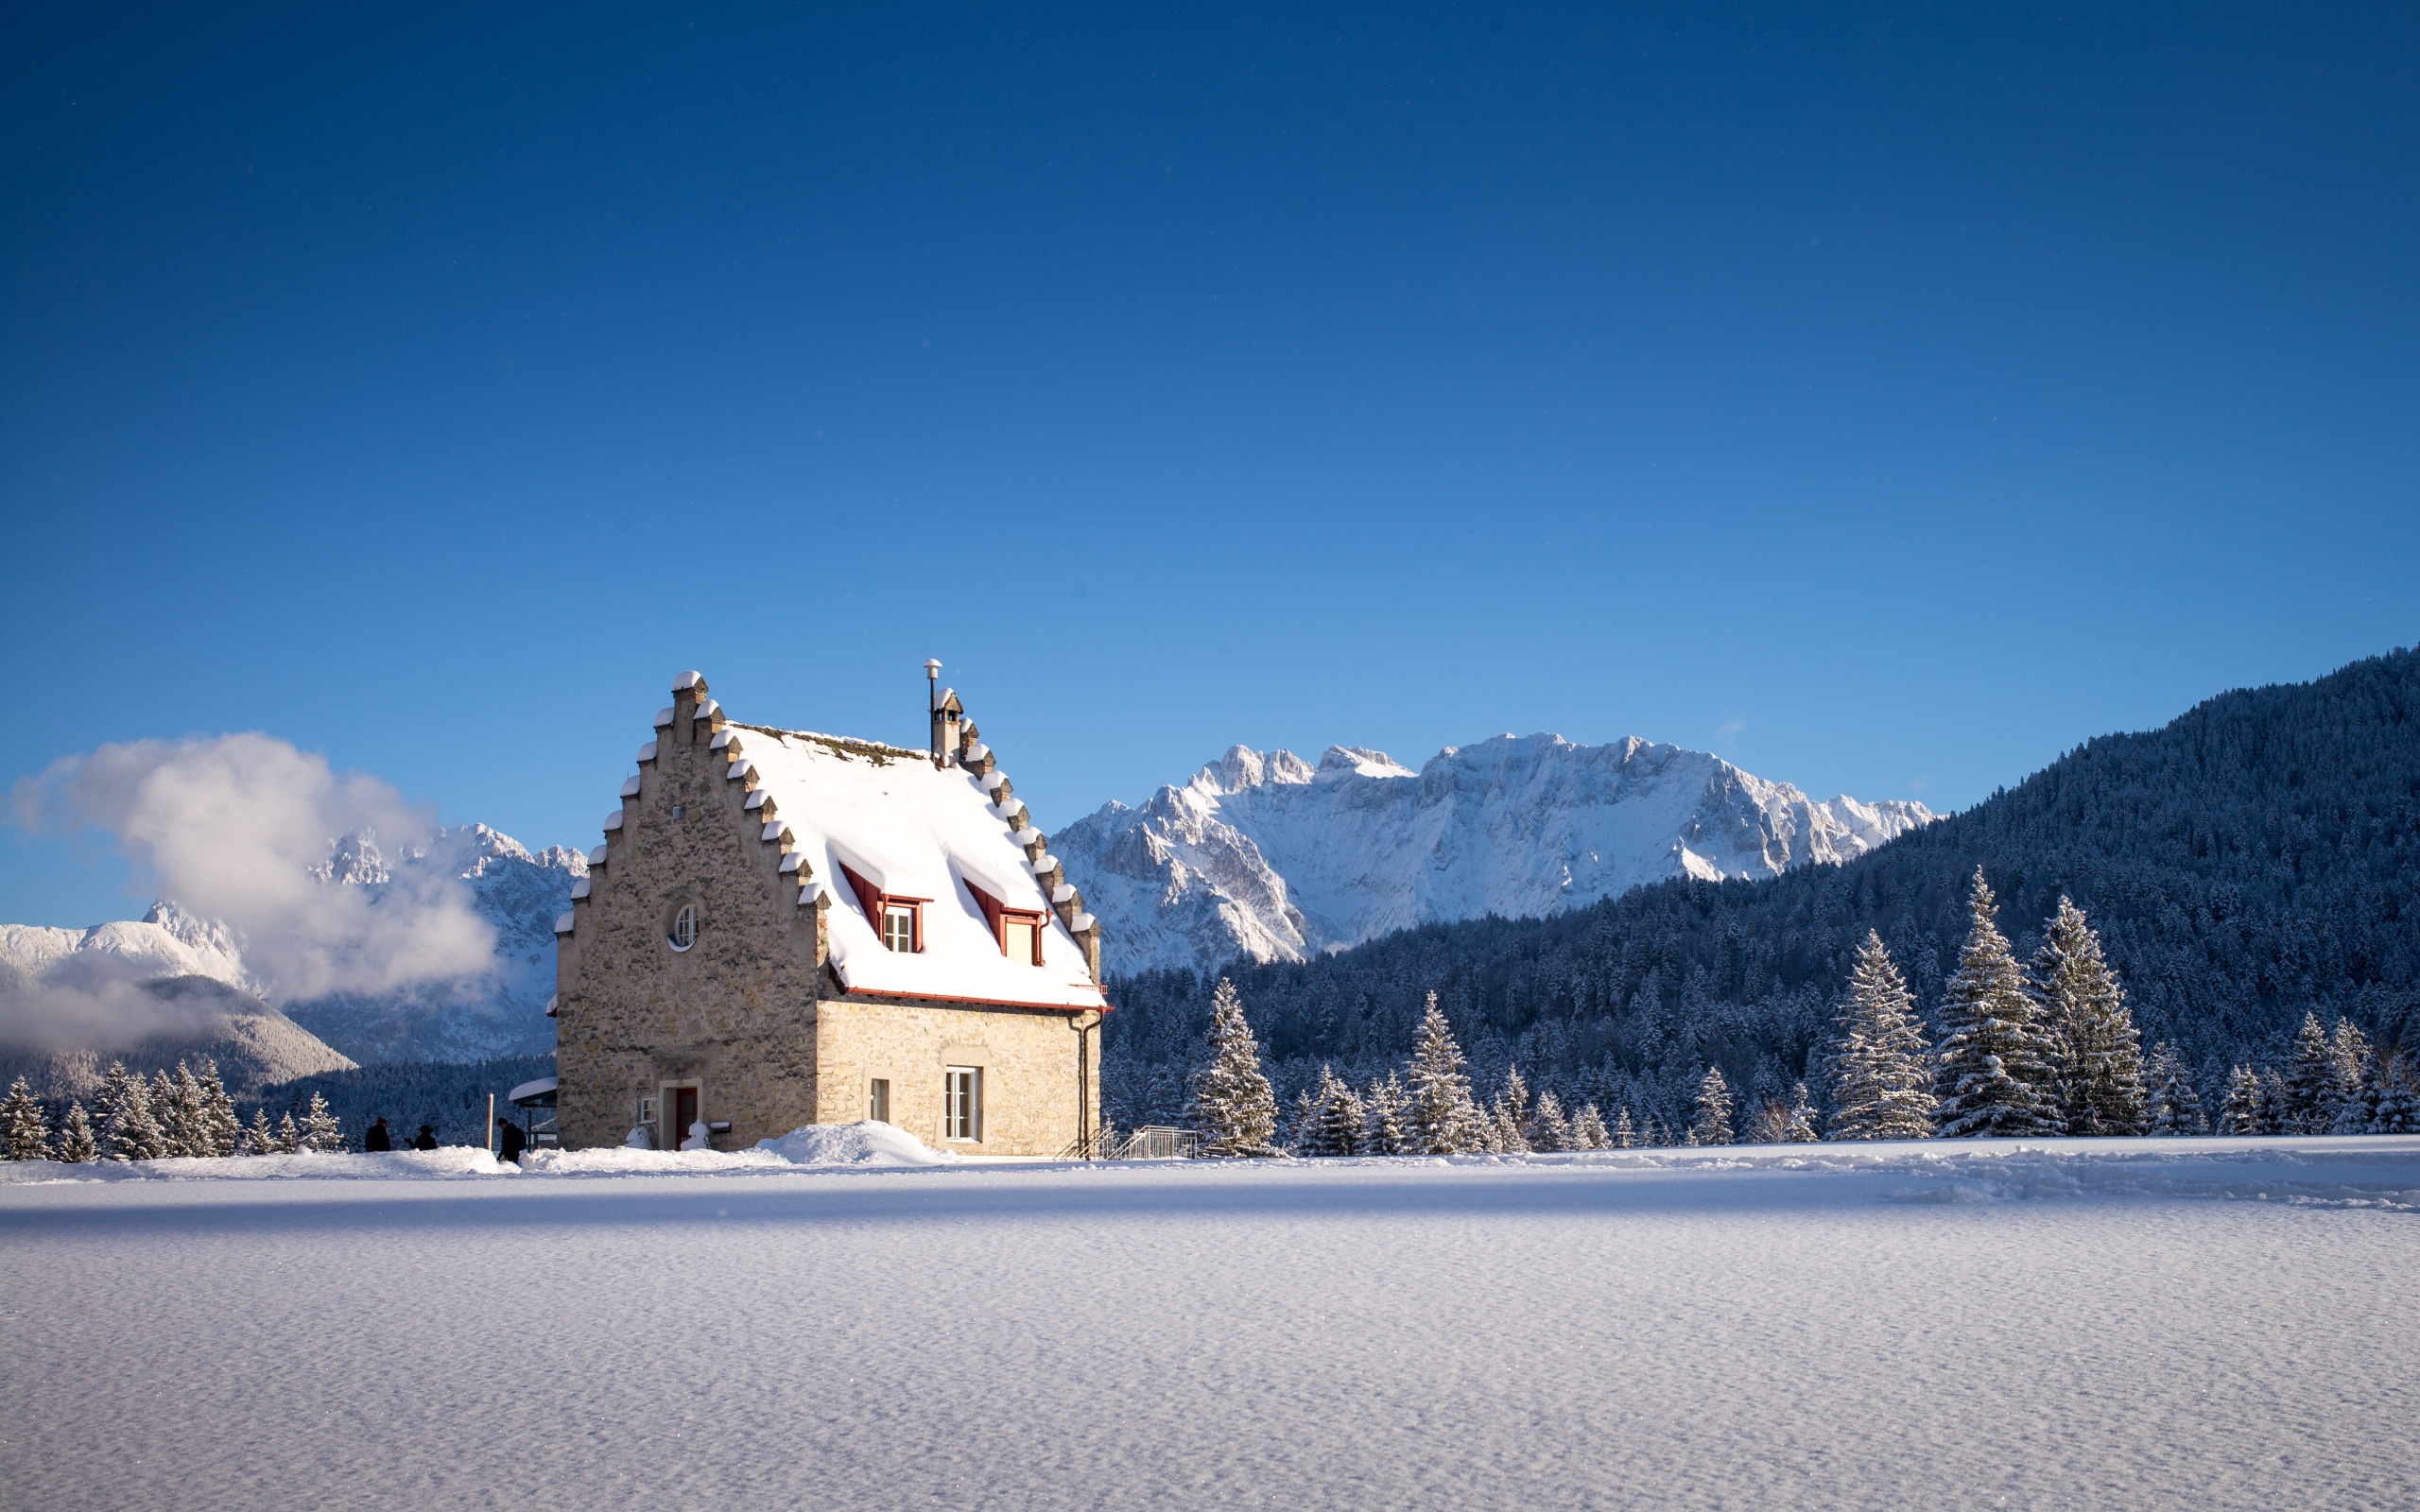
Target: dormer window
{"points": [[898, 922], [1021, 938], [1018, 930]]}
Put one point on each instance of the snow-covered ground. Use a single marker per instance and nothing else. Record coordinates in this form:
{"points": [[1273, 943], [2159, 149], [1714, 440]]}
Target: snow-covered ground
{"points": [[2203, 1323]]}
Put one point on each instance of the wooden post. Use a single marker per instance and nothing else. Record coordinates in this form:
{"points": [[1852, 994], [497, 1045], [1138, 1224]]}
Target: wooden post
{"points": [[491, 1125]]}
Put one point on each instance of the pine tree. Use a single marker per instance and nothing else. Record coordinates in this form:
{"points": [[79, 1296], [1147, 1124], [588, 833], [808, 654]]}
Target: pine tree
{"points": [[176, 1101], [2174, 1106], [2398, 1106], [1800, 1129], [2272, 1104], [1510, 1117], [1625, 1136], [289, 1139], [321, 1134], [1306, 1114], [2240, 1114], [2310, 1082], [1439, 1116], [1232, 1103], [1769, 1123], [1336, 1119], [25, 1125], [1995, 1069], [2097, 1055], [1385, 1135], [76, 1145], [259, 1138], [1881, 1073], [132, 1133], [1549, 1131], [2349, 1054], [1588, 1129], [107, 1099], [219, 1127], [1712, 1123]]}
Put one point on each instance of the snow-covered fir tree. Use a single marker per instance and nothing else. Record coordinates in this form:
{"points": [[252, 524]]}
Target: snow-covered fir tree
{"points": [[1994, 1075], [1383, 1133], [2273, 1103], [2358, 1112], [320, 1131], [2399, 1105], [106, 1099], [1335, 1119], [2174, 1106], [76, 1145], [25, 1125], [1439, 1116], [1800, 1127], [1588, 1130], [1508, 1119], [2097, 1056], [1549, 1130], [259, 1138], [2348, 1051], [2310, 1082], [1881, 1066], [1769, 1123], [131, 1132], [1306, 1113], [2240, 1113], [289, 1139], [1712, 1125], [1624, 1135], [1233, 1106], [176, 1101], [219, 1127]]}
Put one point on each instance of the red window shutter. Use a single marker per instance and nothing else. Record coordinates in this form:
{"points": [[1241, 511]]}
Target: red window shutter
{"points": [[991, 909], [869, 897]]}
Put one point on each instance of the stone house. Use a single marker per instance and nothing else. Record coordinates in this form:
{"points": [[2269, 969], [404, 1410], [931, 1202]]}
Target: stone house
{"points": [[785, 928]]}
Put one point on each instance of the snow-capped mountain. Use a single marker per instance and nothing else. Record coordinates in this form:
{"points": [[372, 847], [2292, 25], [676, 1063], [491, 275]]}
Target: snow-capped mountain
{"points": [[1269, 858], [500, 1013]]}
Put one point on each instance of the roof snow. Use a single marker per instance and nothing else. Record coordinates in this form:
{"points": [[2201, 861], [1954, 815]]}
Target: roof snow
{"points": [[913, 831]]}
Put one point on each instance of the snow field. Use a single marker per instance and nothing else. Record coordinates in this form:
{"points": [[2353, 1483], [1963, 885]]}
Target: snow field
{"points": [[2042, 1323]]}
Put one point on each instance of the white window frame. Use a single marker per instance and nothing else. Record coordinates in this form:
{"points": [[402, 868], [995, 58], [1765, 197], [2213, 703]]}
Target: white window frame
{"points": [[1031, 955], [963, 1105], [686, 915], [902, 915]]}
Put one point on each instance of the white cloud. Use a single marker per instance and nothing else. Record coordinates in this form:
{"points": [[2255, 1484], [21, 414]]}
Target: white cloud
{"points": [[243, 827]]}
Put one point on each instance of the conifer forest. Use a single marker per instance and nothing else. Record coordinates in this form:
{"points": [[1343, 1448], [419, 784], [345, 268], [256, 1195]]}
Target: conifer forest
{"points": [[2208, 927]]}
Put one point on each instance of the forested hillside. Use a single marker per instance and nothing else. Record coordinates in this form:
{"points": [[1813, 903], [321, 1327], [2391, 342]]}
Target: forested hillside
{"points": [[2256, 859]]}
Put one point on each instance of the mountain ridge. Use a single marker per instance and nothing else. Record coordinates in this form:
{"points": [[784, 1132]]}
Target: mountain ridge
{"points": [[1268, 857]]}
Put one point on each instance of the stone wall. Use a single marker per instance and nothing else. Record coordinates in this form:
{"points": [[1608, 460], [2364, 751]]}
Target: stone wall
{"points": [[748, 1014], [1029, 1061], [735, 1012]]}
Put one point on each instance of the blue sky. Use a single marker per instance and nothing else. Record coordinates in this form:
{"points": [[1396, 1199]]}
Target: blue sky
{"points": [[1886, 400]]}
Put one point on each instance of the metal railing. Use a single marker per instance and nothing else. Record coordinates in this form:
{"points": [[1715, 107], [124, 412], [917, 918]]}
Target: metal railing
{"points": [[1151, 1143]]}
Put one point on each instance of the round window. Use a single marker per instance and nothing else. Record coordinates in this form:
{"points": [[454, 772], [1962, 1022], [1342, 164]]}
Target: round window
{"points": [[683, 932]]}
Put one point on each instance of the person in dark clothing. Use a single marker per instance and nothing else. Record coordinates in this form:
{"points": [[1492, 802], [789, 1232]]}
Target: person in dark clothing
{"points": [[376, 1139], [427, 1139], [509, 1141]]}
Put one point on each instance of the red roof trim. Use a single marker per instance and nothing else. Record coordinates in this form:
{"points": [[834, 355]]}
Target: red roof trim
{"points": [[1003, 1003]]}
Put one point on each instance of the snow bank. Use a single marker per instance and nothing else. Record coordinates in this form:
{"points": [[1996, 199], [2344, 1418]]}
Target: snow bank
{"points": [[865, 1144]]}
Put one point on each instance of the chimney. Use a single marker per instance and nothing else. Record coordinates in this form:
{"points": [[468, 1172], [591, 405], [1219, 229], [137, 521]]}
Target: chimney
{"points": [[946, 712]]}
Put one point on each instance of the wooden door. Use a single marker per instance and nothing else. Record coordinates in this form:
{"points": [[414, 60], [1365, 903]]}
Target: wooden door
{"points": [[684, 1112]]}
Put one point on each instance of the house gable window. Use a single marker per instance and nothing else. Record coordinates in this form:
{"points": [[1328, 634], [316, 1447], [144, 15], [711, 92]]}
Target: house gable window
{"points": [[681, 932], [1017, 930], [898, 922]]}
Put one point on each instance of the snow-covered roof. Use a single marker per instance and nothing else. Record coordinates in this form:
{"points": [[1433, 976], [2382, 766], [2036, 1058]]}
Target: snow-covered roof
{"points": [[531, 1089], [912, 831]]}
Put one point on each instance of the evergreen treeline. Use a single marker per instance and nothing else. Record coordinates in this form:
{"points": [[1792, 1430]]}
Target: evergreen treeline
{"points": [[190, 1112], [2251, 866]]}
